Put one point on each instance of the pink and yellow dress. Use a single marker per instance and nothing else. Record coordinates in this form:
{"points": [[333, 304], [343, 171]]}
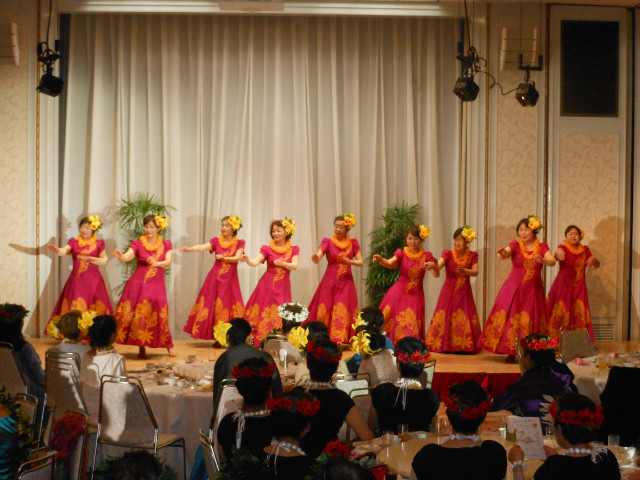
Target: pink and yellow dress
{"points": [[455, 326], [403, 305], [85, 288], [220, 298], [335, 302], [520, 306], [567, 302], [142, 314], [273, 289]]}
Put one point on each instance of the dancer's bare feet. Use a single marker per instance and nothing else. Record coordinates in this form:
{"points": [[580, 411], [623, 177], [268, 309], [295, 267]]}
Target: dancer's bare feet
{"points": [[142, 353], [171, 353]]}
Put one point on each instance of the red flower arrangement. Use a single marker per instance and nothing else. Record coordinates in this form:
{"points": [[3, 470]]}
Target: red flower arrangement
{"points": [[468, 411], [265, 372], [537, 344], [305, 407], [337, 449], [590, 419], [319, 353], [415, 357]]}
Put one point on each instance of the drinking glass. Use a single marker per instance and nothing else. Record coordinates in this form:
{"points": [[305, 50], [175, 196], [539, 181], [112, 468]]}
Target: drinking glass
{"points": [[444, 428], [403, 432], [613, 440]]}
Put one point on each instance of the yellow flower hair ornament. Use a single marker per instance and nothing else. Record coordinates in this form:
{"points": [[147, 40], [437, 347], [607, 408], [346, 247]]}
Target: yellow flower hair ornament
{"points": [[94, 222], [52, 329], [86, 321], [161, 222], [220, 333], [424, 232], [361, 344], [534, 223], [359, 322], [236, 222], [349, 220], [289, 226], [298, 337], [468, 234]]}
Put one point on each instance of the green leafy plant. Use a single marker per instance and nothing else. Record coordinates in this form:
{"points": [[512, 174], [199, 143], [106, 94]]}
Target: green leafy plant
{"points": [[244, 465], [132, 466], [131, 218], [385, 240], [21, 443]]}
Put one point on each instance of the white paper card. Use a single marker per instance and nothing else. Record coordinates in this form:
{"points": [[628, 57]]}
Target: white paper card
{"points": [[528, 435]]}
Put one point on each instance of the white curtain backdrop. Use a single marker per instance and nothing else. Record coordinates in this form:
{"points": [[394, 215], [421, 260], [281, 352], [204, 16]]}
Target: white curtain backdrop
{"points": [[263, 117]]}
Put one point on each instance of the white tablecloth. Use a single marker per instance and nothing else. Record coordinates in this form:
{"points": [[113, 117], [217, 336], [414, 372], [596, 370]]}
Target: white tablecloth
{"points": [[589, 379]]}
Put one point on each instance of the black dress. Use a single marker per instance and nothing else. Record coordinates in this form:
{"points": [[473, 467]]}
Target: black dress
{"points": [[422, 405], [325, 424], [488, 461], [579, 468], [290, 468], [257, 434]]}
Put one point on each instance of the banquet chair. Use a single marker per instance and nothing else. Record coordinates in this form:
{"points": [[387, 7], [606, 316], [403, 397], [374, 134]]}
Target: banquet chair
{"points": [[72, 358], [426, 376], [275, 343], [125, 419], [10, 375], [620, 399], [63, 389], [228, 401], [38, 469], [519, 354], [351, 381], [362, 398], [29, 404], [209, 454], [575, 342]]}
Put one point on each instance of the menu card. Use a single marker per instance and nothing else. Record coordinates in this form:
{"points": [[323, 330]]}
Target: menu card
{"points": [[528, 434]]}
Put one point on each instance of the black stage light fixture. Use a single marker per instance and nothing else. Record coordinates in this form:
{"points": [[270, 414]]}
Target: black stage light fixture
{"points": [[466, 89], [527, 95], [50, 85]]}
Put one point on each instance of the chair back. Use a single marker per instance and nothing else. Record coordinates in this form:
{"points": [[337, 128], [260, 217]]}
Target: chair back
{"points": [[76, 461], [10, 375], [38, 469], [575, 342], [362, 398], [210, 459], [426, 376], [63, 389], [29, 404], [275, 346], [125, 416], [351, 381], [70, 358]]}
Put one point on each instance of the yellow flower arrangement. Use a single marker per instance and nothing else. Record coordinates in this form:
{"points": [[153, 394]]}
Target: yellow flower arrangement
{"points": [[359, 322], [236, 222], [534, 223], [289, 226], [424, 232], [94, 222], [161, 222], [361, 342], [52, 329], [220, 333], [298, 337], [86, 321], [468, 233], [349, 220]]}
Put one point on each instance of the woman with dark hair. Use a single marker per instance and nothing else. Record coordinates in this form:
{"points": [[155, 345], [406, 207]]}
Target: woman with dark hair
{"points": [[567, 302], [370, 317], [406, 401], [544, 377], [454, 326], [316, 330], [274, 287], [377, 361], [335, 405], [520, 307], [576, 420], [85, 288], [463, 454], [220, 298], [335, 302], [251, 427], [142, 312], [72, 339], [403, 305], [101, 360]]}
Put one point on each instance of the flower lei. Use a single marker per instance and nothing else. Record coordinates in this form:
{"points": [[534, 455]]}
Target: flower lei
{"points": [[336, 448], [94, 222], [468, 233], [361, 344], [235, 221], [414, 256], [537, 344], [226, 245], [293, 312], [151, 248], [278, 249], [576, 251], [52, 328], [465, 260], [415, 357], [424, 231], [83, 243], [467, 411], [298, 337], [320, 353], [289, 226], [590, 419], [9, 310], [305, 407], [265, 372], [534, 223], [161, 221], [349, 220], [220, 333], [341, 245], [523, 250]]}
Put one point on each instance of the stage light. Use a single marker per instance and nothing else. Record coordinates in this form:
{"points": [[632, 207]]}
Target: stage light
{"points": [[466, 89], [527, 95], [50, 85]]}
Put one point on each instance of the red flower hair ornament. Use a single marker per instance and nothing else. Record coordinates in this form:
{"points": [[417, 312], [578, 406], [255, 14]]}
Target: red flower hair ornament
{"points": [[265, 372], [337, 448], [305, 407], [415, 357], [591, 419], [537, 344], [467, 411], [319, 353]]}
